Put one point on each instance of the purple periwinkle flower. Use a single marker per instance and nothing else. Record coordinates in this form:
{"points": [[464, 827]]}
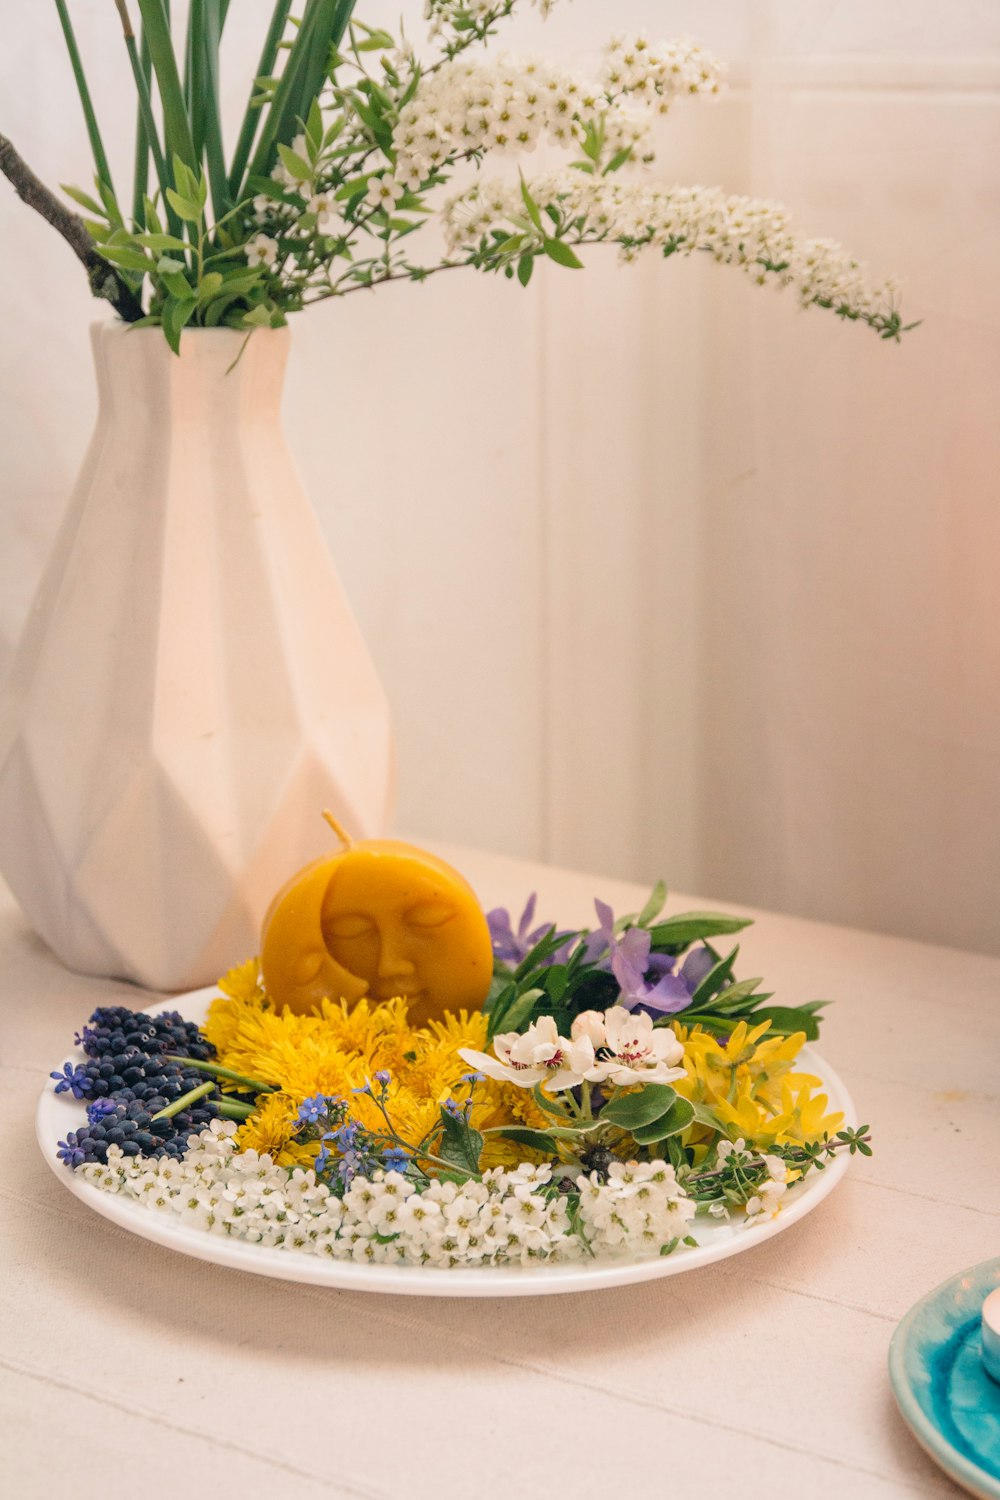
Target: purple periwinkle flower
{"points": [[383, 1078], [396, 1159], [698, 963], [510, 946]]}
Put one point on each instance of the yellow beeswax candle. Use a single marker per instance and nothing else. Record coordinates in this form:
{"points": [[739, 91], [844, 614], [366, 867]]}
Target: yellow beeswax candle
{"points": [[379, 918]]}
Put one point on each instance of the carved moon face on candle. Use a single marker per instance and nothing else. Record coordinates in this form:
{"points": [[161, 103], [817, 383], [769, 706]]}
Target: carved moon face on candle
{"points": [[380, 918]]}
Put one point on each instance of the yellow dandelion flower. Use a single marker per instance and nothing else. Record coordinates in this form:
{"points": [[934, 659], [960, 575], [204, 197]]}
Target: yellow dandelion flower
{"points": [[270, 1131], [243, 982]]}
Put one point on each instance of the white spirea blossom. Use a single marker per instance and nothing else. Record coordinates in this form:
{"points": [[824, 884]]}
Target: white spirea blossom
{"points": [[443, 14], [262, 250], [509, 1218], [751, 233], [507, 105], [657, 73]]}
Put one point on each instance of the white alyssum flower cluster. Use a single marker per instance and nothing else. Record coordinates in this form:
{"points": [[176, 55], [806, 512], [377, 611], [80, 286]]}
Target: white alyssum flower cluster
{"points": [[640, 1208], [613, 1046], [748, 232], [509, 1218]]}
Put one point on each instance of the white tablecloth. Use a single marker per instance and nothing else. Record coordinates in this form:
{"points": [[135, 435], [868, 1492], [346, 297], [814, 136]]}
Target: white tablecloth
{"points": [[123, 1365]]}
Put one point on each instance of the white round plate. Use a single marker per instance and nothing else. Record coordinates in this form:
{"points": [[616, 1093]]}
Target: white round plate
{"points": [[58, 1113]]}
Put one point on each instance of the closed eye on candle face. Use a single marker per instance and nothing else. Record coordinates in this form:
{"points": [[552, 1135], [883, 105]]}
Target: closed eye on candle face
{"points": [[429, 914], [351, 925]]}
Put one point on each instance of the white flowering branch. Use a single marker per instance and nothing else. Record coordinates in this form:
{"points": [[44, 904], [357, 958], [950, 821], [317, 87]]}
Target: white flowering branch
{"points": [[497, 224]]}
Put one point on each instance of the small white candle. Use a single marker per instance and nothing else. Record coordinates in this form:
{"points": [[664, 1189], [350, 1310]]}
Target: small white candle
{"points": [[991, 1334]]}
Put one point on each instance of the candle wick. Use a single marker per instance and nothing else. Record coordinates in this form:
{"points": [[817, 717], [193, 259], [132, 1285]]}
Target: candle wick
{"points": [[345, 838]]}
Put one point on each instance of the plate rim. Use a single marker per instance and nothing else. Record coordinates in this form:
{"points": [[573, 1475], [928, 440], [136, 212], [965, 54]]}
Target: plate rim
{"points": [[930, 1437], [427, 1281]]}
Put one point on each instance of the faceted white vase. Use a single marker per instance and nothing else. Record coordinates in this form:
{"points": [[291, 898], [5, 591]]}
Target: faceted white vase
{"points": [[191, 689]]}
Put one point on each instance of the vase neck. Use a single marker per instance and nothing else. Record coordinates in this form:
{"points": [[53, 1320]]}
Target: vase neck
{"points": [[221, 375]]}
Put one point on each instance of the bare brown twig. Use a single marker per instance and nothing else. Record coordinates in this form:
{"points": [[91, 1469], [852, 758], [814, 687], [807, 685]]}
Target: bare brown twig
{"points": [[105, 280]]}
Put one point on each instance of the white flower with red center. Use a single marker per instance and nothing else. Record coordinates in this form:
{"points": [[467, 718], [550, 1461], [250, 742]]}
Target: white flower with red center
{"points": [[539, 1056], [634, 1051]]}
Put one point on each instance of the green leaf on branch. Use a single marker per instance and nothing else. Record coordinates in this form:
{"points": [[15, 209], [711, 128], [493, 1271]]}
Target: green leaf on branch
{"points": [[176, 313], [654, 905], [184, 208], [300, 170], [632, 1111], [460, 1144], [538, 1140], [561, 253], [677, 1118], [84, 200], [733, 998], [525, 266], [692, 927], [161, 242], [715, 979], [126, 256], [533, 211], [618, 161], [546, 1103]]}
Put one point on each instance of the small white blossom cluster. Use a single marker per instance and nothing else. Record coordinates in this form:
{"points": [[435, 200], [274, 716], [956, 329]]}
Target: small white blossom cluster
{"points": [[656, 74], [509, 106], [748, 232], [443, 14], [609, 1047], [509, 1218], [766, 1202], [640, 1208]]}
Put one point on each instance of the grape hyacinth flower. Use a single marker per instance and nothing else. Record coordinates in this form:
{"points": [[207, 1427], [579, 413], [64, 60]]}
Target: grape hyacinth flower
{"points": [[73, 1080]]}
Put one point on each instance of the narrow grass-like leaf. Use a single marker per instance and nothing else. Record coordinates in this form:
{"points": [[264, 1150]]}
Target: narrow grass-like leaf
{"points": [[140, 174], [212, 122], [323, 25], [151, 136], [76, 62], [177, 138], [252, 114]]}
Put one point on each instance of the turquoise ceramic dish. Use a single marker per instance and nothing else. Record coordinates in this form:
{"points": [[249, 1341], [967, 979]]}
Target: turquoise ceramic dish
{"points": [[945, 1395]]}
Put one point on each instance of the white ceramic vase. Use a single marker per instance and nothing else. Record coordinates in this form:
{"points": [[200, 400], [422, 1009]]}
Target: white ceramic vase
{"points": [[191, 688]]}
